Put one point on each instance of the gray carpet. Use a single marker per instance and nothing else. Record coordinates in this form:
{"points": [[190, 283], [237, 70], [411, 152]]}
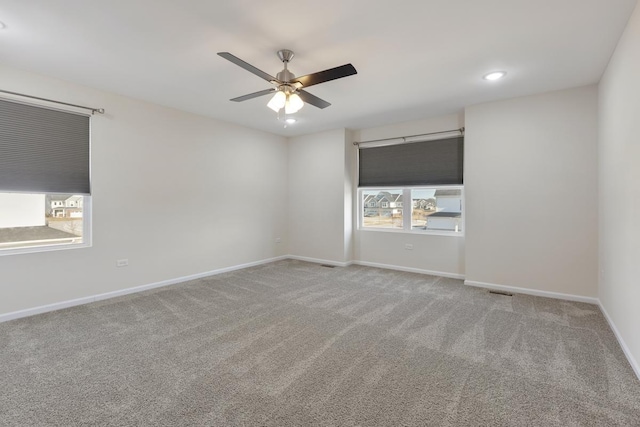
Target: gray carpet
{"points": [[298, 344]]}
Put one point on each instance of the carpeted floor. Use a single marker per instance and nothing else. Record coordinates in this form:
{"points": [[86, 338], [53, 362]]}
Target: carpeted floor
{"points": [[297, 344]]}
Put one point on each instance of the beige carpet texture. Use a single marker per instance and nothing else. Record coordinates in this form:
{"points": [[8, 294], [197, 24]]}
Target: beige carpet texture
{"points": [[297, 344]]}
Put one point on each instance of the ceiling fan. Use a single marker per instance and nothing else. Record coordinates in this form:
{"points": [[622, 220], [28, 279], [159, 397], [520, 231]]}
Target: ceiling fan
{"points": [[288, 90]]}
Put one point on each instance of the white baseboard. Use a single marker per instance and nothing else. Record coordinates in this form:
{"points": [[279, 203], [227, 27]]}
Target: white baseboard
{"points": [[99, 297], [319, 261], [535, 292], [625, 348], [410, 269]]}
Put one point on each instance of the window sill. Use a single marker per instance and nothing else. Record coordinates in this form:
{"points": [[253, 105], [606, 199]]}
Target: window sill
{"points": [[414, 232], [43, 248]]}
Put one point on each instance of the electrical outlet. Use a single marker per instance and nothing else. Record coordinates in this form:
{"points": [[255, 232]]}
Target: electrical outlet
{"points": [[122, 263], [408, 246], [278, 240]]}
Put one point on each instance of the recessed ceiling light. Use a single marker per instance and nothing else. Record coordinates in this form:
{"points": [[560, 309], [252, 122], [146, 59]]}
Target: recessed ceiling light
{"points": [[495, 75], [290, 120]]}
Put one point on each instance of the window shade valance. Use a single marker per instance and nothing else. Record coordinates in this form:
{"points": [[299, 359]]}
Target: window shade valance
{"points": [[43, 150], [435, 162]]}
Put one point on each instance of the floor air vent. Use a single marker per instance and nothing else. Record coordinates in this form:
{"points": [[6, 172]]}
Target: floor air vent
{"points": [[327, 265], [507, 294]]}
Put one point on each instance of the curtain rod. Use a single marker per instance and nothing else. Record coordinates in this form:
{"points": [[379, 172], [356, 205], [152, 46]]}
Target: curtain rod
{"points": [[93, 110], [406, 139]]}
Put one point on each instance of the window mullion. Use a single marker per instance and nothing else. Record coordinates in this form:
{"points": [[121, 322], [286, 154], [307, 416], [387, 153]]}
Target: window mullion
{"points": [[407, 207]]}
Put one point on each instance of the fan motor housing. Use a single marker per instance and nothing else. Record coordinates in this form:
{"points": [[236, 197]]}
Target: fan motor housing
{"points": [[285, 76]]}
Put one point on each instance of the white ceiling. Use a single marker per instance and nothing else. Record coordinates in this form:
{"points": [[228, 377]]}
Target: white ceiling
{"points": [[415, 58]]}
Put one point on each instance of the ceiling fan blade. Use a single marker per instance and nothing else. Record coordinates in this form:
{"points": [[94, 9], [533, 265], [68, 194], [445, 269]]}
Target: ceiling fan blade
{"points": [[253, 95], [312, 99], [250, 68], [327, 75]]}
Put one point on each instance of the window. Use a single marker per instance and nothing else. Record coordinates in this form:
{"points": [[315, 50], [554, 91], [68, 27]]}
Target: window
{"points": [[433, 210], [36, 220], [44, 179], [436, 209], [383, 216], [417, 185]]}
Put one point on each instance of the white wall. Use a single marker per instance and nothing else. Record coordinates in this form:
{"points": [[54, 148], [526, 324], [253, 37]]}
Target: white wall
{"points": [[319, 202], [21, 210], [619, 187], [350, 179], [531, 192], [175, 193], [431, 253]]}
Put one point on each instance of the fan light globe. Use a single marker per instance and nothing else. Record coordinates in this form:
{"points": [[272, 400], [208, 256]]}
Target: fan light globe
{"points": [[288, 109], [278, 101], [294, 104]]}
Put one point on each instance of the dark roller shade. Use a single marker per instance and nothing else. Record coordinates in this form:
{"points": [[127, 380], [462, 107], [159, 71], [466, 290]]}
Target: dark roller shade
{"points": [[437, 162], [43, 150]]}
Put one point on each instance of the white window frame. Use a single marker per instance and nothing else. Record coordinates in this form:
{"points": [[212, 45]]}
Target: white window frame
{"points": [[44, 247], [406, 213]]}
